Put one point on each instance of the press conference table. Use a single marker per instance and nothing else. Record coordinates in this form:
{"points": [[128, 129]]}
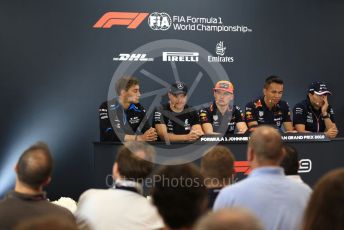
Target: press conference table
{"points": [[317, 155]]}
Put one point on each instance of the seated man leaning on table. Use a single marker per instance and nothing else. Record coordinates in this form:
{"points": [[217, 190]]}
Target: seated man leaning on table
{"points": [[222, 116], [314, 114], [176, 121], [125, 119]]}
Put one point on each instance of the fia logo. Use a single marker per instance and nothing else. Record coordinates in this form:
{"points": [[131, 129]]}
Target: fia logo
{"points": [[159, 21], [220, 49]]}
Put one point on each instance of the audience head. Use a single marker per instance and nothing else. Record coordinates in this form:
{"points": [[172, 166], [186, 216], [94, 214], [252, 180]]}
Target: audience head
{"points": [[325, 209], [290, 162], [265, 147], [134, 161], [217, 166], [35, 166], [180, 195], [229, 219]]}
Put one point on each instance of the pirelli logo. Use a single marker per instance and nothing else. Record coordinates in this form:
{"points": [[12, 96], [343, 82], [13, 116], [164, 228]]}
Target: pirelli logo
{"points": [[130, 19], [180, 56]]}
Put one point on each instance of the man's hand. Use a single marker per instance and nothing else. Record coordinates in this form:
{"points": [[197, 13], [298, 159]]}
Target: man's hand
{"points": [[194, 135], [324, 108], [331, 132], [149, 135]]}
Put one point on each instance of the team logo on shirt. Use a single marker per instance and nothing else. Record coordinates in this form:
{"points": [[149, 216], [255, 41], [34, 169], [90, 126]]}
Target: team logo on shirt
{"points": [[169, 126], [215, 117], [298, 110], [180, 85], [134, 120], [261, 113], [187, 125], [258, 104], [248, 115], [309, 117], [203, 116]]}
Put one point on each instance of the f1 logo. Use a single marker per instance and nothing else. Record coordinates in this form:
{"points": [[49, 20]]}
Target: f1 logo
{"points": [[305, 166], [130, 19], [242, 167]]}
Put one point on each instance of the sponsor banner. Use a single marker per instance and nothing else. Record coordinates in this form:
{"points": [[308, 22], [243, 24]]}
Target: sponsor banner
{"points": [[305, 137], [130, 19], [244, 166], [180, 56], [165, 21], [162, 21], [234, 139], [132, 57], [305, 166], [220, 50]]}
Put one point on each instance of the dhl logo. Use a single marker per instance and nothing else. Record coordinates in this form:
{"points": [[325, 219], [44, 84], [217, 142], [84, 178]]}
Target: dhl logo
{"points": [[242, 167], [130, 19]]}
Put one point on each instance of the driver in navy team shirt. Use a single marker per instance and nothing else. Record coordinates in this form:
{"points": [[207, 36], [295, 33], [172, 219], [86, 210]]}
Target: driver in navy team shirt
{"points": [[314, 114], [223, 112], [269, 109]]}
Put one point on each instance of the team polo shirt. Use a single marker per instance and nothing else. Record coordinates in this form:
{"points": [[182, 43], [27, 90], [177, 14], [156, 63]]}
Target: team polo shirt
{"points": [[176, 123], [115, 121], [304, 113], [258, 111], [213, 116]]}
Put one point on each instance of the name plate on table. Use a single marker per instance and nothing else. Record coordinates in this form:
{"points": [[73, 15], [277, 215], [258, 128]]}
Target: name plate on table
{"points": [[287, 137]]}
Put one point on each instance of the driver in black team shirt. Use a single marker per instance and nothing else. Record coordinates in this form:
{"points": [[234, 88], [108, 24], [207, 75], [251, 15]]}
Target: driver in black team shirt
{"points": [[223, 111], [269, 109], [176, 121], [126, 115]]}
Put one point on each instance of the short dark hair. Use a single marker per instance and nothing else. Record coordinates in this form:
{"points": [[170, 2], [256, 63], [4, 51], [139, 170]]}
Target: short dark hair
{"points": [[218, 163], [124, 83], [179, 204], [35, 165], [325, 208], [272, 79], [290, 162], [134, 167]]}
